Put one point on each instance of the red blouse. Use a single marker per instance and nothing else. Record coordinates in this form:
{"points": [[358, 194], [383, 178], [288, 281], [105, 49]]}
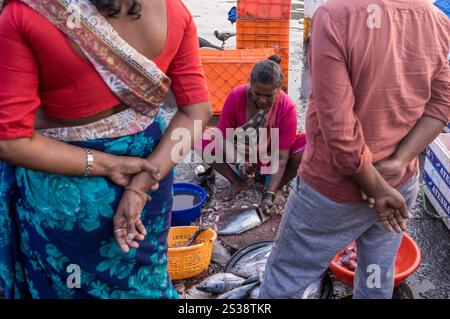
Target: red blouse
{"points": [[40, 68]]}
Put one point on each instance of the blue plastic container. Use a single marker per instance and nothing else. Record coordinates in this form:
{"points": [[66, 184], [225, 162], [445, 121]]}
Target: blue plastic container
{"points": [[444, 5], [186, 216]]}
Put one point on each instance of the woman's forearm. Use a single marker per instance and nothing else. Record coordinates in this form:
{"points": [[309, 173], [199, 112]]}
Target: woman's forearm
{"points": [[47, 155], [275, 179], [172, 148]]}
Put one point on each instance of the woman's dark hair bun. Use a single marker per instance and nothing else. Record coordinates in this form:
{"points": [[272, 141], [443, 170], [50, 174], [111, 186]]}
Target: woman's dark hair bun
{"points": [[275, 58]]}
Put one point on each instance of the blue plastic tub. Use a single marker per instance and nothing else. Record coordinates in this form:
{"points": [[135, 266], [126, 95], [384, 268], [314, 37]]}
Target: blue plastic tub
{"points": [[184, 217]]}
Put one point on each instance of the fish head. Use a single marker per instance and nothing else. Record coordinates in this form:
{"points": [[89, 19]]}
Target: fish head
{"points": [[238, 267]]}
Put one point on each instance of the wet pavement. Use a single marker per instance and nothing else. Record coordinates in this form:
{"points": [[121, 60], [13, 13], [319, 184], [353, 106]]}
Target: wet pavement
{"points": [[432, 279]]}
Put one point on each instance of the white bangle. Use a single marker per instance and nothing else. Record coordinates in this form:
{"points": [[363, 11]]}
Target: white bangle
{"points": [[89, 162]]}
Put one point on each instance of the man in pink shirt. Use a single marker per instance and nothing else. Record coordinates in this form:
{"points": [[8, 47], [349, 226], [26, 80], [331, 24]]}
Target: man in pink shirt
{"points": [[380, 95]]}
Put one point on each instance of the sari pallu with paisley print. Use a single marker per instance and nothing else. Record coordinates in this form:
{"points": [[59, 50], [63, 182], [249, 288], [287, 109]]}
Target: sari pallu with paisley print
{"points": [[258, 130], [56, 232]]}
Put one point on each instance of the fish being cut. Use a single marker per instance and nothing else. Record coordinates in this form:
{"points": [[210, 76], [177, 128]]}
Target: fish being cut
{"points": [[241, 222]]}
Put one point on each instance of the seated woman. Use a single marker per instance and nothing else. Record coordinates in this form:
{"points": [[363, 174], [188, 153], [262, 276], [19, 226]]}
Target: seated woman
{"points": [[262, 104]]}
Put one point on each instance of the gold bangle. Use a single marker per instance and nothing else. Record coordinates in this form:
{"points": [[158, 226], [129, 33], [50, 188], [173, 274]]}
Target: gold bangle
{"points": [[146, 196]]}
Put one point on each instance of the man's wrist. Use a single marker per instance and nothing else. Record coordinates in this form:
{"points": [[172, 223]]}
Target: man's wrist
{"points": [[379, 190], [371, 182], [403, 160]]}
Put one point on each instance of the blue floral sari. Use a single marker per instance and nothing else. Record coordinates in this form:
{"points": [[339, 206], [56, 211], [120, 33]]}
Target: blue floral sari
{"points": [[52, 223], [56, 232]]}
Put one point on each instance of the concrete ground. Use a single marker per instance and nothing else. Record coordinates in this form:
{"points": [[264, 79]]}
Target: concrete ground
{"points": [[432, 279]]}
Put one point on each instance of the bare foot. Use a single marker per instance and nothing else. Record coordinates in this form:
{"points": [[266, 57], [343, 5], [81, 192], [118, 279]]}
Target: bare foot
{"points": [[235, 188]]}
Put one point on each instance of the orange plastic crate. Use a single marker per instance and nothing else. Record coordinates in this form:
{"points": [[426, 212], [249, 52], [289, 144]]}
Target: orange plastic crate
{"points": [[211, 55], [264, 9], [252, 34], [224, 70]]}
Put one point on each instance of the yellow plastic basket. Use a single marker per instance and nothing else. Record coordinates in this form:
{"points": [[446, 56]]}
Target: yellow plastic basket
{"points": [[186, 262]]}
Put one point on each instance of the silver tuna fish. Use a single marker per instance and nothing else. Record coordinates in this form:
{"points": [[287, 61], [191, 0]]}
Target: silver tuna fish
{"points": [[240, 292], [259, 253], [252, 279], [254, 294], [220, 283], [313, 291], [250, 268], [241, 222], [316, 289]]}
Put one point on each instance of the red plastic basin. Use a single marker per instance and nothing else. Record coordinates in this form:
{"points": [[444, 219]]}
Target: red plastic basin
{"points": [[406, 263]]}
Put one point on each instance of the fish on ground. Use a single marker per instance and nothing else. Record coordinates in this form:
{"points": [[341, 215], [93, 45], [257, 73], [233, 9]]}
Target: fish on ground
{"points": [[240, 222], [249, 269], [240, 292], [322, 288], [252, 279], [254, 294], [259, 253], [220, 283]]}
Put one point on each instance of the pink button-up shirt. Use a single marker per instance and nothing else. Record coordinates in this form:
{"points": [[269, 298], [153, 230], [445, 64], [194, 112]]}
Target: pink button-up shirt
{"points": [[377, 67]]}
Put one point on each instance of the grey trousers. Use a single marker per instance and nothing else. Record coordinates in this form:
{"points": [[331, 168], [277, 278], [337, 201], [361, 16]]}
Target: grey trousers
{"points": [[314, 229]]}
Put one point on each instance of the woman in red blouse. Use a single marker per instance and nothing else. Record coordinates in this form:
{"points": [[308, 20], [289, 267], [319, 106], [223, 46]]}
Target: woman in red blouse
{"points": [[81, 84]]}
